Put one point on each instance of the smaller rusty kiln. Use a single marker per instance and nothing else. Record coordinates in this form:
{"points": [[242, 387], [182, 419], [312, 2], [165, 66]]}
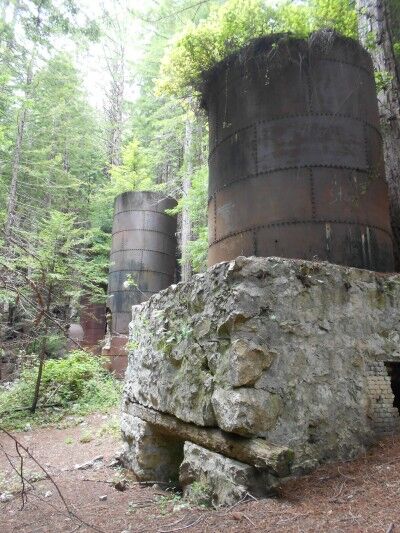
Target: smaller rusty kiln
{"points": [[93, 323], [142, 258], [296, 164]]}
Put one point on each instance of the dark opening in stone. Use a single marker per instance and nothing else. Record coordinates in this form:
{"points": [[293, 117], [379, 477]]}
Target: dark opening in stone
{"points": [[393, 369]]}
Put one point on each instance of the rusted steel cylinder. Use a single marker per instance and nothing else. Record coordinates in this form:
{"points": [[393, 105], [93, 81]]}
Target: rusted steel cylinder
{"points": [[93, 322], [296, 164], [143, 253]]}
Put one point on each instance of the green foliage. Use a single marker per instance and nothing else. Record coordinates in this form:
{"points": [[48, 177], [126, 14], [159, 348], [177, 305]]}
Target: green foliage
{"points": [[382, 80], [235, 23], [197, 250], [54, 255], [111, 428], [86, 437], [196, 203], [340, 15], [132, 175], [199, 493], [78, 384]]}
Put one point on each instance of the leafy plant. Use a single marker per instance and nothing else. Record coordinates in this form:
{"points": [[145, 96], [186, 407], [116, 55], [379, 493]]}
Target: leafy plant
{"points": [[236, 22], [77, 384], [86, 437], [382, 80]]}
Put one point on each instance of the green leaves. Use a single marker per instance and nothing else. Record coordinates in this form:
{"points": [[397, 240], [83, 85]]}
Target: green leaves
{"points": [[78, 383], [383, 78], [236, 22]]}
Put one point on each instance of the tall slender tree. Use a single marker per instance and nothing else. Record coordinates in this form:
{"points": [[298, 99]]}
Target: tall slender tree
{"points": [[376, 33]]}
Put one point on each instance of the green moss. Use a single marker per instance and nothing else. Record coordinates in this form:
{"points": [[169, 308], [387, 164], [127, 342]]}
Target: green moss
{"points": [[199, 493]]}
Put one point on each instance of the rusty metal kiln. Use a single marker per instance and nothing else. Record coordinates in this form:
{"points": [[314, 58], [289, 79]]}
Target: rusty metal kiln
{"points": [[296, 163]]}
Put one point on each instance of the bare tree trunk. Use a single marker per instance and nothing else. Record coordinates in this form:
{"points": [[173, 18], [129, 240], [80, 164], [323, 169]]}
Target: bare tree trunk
{"points": [[186, 223], [21, 122], [114, 104], [12, 196], [43, 352], [374, 25]]}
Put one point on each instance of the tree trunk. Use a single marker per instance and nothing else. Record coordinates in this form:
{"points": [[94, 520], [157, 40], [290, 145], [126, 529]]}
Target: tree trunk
{"points": [[114, 105], [186, 223], [374, 25], [43, 350], [21, 122], [12, 196]]}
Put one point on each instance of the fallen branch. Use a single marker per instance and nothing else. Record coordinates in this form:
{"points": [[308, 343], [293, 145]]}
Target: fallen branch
{"points": [[182, 527], [20, 472]]}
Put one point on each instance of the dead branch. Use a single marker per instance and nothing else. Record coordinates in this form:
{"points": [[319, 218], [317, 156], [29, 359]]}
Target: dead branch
{"points": [[20, 472]]}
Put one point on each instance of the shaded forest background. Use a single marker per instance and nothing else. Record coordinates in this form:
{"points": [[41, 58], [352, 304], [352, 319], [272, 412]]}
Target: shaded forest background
{"points": [[66, 151]]}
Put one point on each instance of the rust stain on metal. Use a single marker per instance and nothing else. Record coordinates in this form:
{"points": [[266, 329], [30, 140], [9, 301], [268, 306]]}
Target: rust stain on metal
{"points": [[296, 164], [93, 322], [143, 254]]}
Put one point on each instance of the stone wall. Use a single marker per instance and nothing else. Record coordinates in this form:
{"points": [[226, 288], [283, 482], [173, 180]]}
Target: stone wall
{"points": [[284, 354]]}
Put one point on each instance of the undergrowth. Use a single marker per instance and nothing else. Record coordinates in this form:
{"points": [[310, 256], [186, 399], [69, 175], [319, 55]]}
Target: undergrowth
{"points": [[75, 385]]}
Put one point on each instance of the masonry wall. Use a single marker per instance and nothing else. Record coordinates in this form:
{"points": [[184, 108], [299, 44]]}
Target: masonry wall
{"points": [[285, 351]]}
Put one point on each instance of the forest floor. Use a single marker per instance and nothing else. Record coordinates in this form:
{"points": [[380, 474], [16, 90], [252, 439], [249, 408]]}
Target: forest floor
{"points": [[362, 495]]}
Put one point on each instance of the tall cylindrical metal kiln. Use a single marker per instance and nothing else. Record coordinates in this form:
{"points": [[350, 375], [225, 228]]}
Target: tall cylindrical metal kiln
{"points": [[296, 164], [143, 254]]}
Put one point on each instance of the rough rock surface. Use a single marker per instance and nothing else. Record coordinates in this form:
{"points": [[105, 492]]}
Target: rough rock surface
{"points": [[273, 348], [208, 477], [147, 453]]}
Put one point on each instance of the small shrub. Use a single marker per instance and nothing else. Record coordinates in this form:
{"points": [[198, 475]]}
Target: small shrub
{"points": [[86, 437], [77, 384], [199, 493], [112, 427]]}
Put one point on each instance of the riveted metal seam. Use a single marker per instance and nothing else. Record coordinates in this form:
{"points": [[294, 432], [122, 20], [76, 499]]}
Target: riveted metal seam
{"points": [[298, 222], [309, 86], [255, 241], [255, 148], [296, 167], [144, 211], [139, 250], [143, 229], [295, 115], [359, 67], [140, 270], [313, 58], [312, 194]]}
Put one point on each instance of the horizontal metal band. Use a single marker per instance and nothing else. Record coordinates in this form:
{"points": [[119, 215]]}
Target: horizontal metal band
{"points": [[144, 211], [293, 115], [141, 270], [318, 58], [334, 60], [142, 229], [141, 250], [257, 175], [294, 222]]}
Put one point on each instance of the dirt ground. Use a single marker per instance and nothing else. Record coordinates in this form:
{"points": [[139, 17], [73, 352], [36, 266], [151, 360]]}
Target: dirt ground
{"points": [[363, 495]]}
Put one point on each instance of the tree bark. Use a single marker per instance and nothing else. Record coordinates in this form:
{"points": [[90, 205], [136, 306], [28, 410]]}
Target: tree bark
{"points": [[21, 122], [186, 223], [12, 196], [374, 25], [43, 350]]}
